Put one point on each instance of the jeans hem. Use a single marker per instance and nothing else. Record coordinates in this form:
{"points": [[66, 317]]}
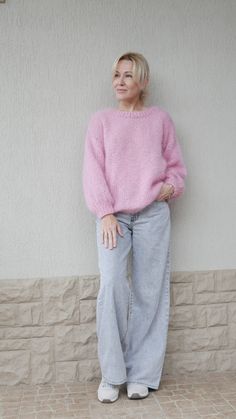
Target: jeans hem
{"points": [[114, 382], [152, 386]]}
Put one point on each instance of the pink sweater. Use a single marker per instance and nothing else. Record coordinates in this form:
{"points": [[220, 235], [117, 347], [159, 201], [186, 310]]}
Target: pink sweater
{"points": [[128, 155]]}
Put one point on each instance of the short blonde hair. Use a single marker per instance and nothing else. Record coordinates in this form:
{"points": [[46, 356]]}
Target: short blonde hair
{"points": [[140, 69]]}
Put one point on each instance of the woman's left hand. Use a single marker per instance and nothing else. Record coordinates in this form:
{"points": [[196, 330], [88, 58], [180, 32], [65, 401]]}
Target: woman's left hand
{"points": [[166, 191]]}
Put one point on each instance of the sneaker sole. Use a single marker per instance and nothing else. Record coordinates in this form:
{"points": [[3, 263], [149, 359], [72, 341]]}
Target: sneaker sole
{"points": [[137, 396], [107, 400]]}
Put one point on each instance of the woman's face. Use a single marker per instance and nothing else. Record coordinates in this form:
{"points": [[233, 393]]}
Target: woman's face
{"points": [[125, 87]]}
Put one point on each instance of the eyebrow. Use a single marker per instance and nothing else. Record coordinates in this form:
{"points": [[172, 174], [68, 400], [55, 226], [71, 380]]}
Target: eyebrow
{"points": [[124, 71]]}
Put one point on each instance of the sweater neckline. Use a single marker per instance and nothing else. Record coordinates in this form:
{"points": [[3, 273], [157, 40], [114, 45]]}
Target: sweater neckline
{"points": [[133, 114]]}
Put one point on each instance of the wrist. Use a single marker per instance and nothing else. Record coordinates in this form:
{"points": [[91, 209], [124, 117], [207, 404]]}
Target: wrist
{"points": [[105, 215]]}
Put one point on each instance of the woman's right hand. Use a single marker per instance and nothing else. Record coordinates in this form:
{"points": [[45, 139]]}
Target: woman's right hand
{"points": [[109, 227]]}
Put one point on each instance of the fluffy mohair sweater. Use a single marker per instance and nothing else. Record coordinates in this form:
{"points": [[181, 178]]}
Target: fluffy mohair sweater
{"points": [[128, 155]]}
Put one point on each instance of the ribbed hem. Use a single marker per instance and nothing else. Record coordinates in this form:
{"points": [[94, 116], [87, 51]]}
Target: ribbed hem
{"points": [[133, 114]]}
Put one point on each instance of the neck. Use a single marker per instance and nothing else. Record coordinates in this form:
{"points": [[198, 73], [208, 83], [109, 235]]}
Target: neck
{"points": [[131, 106]]}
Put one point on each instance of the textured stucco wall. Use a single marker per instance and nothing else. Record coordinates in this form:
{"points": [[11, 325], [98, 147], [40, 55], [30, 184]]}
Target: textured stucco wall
{"points": [[55, 67]]}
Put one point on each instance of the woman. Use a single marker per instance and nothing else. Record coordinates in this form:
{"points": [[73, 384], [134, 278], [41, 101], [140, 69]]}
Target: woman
{"points": [[132, 166]]}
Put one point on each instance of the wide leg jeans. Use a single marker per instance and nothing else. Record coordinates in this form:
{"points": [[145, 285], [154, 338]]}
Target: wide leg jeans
{"points": [[132, 317]]}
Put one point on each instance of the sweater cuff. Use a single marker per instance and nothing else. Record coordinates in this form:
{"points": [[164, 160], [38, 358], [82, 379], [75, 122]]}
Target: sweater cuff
{"points": [[105, 211], [171, 181], [179, 190]]}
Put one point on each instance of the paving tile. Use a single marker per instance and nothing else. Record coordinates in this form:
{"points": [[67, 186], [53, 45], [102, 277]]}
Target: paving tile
{"points": [[186, 396]]}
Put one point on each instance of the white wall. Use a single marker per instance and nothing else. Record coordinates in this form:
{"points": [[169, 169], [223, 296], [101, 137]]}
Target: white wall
{"points": [[56, 59]]}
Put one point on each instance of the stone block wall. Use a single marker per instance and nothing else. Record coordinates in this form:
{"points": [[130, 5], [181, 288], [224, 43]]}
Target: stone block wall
{"points": [[48, 327], [202, 327]]}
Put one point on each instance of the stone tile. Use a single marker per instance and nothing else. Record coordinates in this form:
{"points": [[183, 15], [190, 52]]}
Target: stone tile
{"points": [[88, 287], [10, 374], [61, 302], [226, 408], [20, 290], [206, 410], [185, 396]]}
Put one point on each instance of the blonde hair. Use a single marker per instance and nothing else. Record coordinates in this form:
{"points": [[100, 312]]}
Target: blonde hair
{"points": [[140, 69]]}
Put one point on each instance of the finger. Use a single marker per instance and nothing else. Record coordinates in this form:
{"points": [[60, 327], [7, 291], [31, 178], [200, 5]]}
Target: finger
{"points": [[163, 198], [110, 240], [120, 230], [105, 238], [102, 236], [114, 237]]}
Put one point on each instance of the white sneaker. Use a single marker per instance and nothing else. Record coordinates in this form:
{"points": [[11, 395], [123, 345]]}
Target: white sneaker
{"points": [[108, 393], [137, 391]]}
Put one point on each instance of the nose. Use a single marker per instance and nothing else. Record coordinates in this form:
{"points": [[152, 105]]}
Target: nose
{"points": [[121, 80]]}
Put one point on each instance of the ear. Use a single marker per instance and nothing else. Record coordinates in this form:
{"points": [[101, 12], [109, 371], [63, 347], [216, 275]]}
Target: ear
{"points": [[145, 83]]}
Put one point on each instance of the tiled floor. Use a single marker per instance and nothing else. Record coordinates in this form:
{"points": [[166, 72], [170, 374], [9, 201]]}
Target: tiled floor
{"points": [[210, 395]]}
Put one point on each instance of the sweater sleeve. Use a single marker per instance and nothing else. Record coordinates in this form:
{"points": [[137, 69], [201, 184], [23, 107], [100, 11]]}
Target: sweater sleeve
{"points": [[96, 191], [176, 170]]}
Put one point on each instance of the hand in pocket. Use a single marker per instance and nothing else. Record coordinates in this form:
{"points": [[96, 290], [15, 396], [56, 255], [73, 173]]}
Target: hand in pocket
{"points": [[166, 191]]}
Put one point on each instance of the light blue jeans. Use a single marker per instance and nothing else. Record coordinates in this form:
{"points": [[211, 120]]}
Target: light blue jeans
{"points": [[132, 316]]}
